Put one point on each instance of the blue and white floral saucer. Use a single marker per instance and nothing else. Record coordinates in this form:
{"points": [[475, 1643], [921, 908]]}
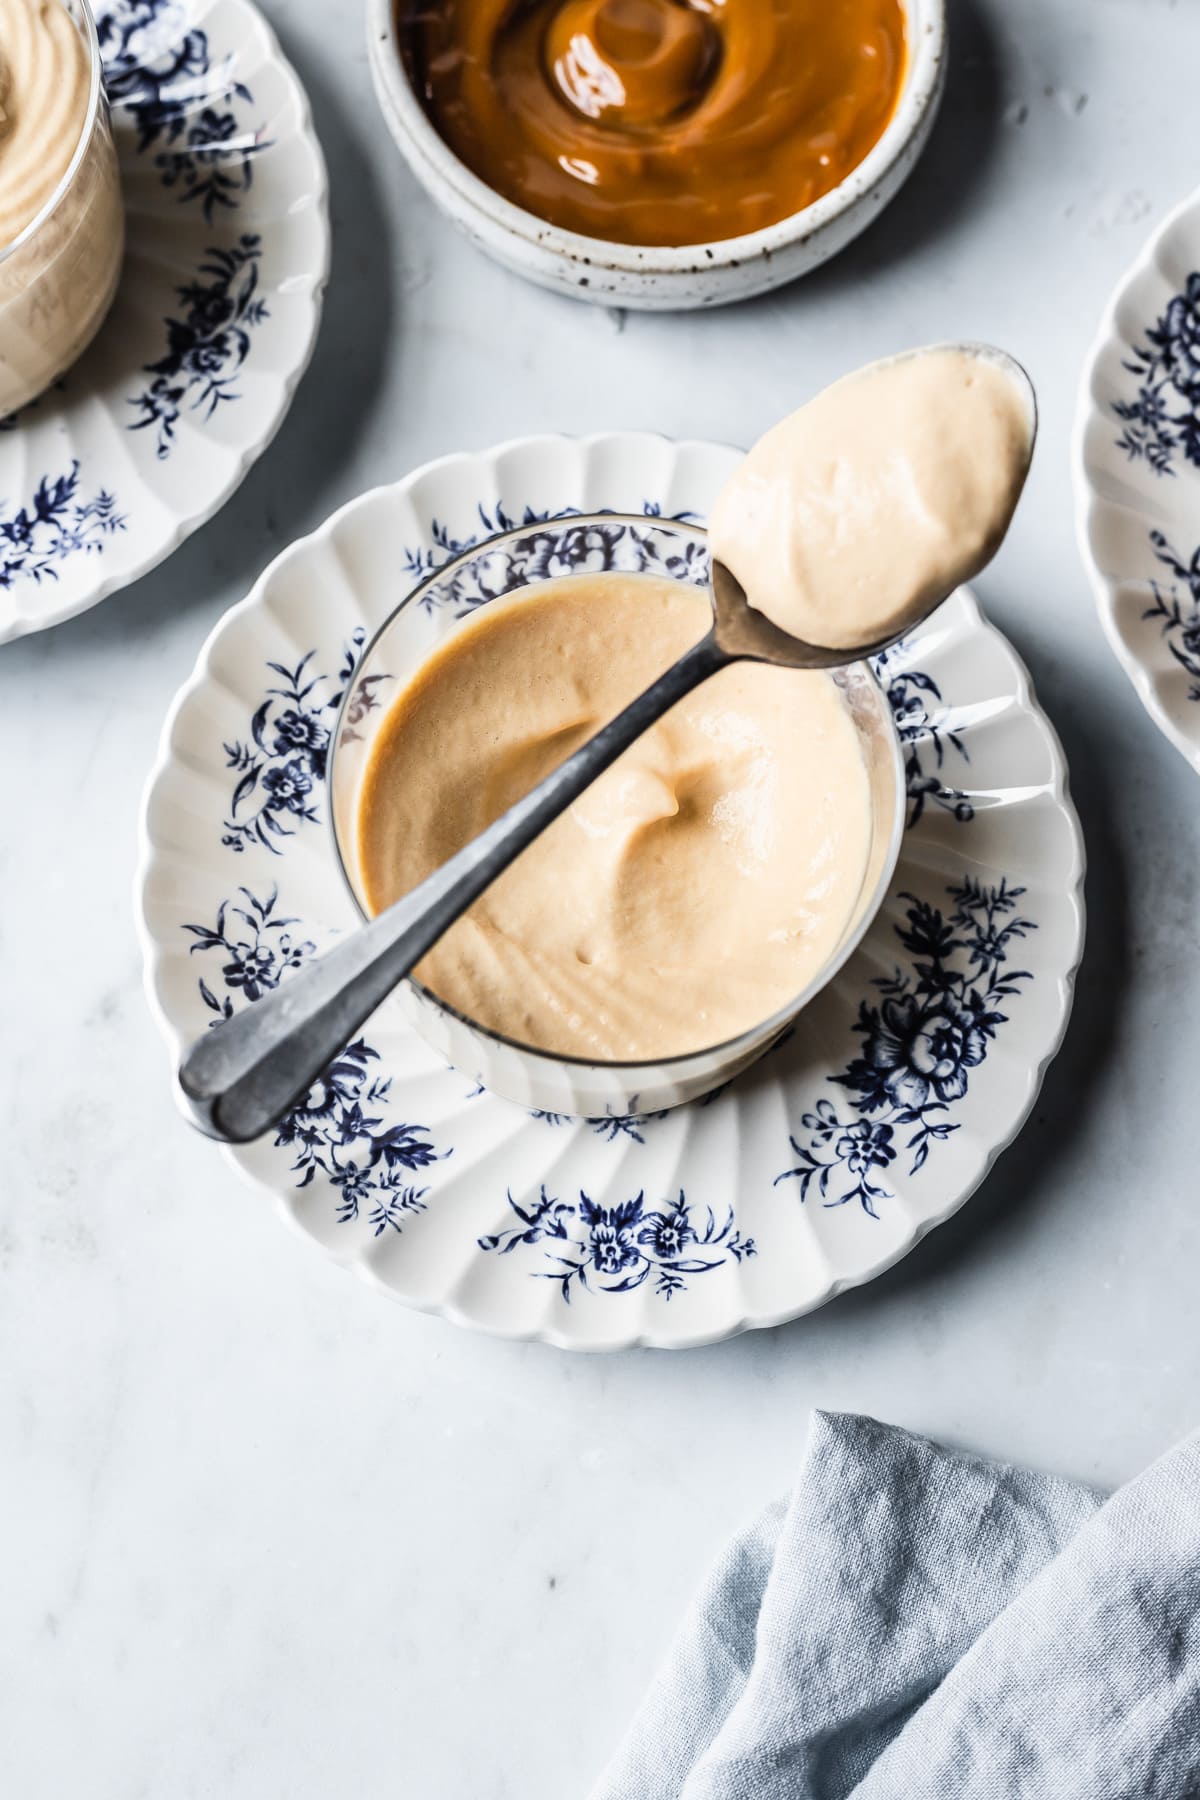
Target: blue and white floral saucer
{"points": [[213, 324], [1137, 476], [813, 1171]]}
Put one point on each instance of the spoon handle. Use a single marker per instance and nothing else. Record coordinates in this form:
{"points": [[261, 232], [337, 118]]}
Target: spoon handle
{"points": [[246, 1072]]}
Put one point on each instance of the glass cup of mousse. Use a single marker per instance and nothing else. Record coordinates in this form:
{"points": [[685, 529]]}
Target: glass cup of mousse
{"points": [[429, 616], [62, 225]]}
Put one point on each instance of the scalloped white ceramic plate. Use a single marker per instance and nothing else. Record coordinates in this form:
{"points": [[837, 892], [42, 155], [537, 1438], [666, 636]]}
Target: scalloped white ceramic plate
{"points": [[213, 323], [817, 1168], [1137, 475]]}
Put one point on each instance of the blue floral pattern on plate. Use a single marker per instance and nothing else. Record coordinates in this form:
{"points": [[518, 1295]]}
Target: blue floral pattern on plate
{"points": [[280, 765], [37, 537], [1137, 524], [159, 70], [543, 555], [1163, 419], [933, 1024], [343, 1130], [159, 73], [609, 1127], [920, 716], [614, 1249], [1180, 618], [208, 345]]}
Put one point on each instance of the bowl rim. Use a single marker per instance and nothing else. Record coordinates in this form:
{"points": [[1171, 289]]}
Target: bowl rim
{"points": [[424, 148], [86, 23], [727, 1048]]}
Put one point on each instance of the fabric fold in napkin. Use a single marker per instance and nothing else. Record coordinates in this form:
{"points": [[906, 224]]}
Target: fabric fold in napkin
{"points": [[917, 1622]]}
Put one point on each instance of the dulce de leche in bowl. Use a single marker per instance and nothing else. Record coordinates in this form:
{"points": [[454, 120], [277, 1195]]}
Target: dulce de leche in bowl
{"points": [[658, 122]]}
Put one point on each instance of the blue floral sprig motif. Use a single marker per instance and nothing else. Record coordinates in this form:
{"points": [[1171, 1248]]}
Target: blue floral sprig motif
{"points": [[281, 765], [261, 947], [161, 73], [610, 1126], [207, 347], [933, 1025], [1180, 618], [915, 698], [423, 560], [542, 555], [37, 538], [1164, 416], [341, 1130], [615, 1249]]}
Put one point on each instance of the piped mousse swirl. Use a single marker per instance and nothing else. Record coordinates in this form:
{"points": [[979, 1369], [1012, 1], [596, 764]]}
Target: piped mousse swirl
{"points": [[45, 86]]}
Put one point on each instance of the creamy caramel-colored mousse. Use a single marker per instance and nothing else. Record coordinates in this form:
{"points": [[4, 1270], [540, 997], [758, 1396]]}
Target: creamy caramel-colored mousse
{"points": [[889, 489], [692, 892], [58, 279]]}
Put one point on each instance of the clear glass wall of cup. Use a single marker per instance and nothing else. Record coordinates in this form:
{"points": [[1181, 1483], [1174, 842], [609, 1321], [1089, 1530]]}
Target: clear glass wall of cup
{"points": [[59, 274], [430, 614]]}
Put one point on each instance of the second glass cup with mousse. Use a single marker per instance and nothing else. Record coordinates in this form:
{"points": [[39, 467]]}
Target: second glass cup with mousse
{"points": [[59, 267]]}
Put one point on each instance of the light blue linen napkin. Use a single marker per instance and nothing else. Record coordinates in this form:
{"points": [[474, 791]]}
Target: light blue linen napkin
{"points": [[914, 1622]]}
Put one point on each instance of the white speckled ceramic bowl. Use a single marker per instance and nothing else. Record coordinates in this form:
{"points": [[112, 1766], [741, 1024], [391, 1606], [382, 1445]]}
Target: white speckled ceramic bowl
{"points": [[661, 278]]}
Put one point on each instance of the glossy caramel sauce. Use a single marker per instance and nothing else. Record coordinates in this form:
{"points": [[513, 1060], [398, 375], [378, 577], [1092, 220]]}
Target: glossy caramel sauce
{"points": [[661, 122]]}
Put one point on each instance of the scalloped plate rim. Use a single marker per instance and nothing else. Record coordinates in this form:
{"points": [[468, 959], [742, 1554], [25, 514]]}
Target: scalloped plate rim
{"points": [[356, 1264]]}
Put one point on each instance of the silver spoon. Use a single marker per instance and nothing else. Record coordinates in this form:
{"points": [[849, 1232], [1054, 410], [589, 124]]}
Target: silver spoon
{"points": [[244, 1074]]}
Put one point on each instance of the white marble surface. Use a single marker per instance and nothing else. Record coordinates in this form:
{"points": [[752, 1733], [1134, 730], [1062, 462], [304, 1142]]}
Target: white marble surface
{"points": [[262, 1533]]}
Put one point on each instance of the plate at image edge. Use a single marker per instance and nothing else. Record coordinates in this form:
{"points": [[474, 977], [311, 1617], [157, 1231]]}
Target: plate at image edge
{"points": [[817, 1168], [1137, 475], [227, 254]]}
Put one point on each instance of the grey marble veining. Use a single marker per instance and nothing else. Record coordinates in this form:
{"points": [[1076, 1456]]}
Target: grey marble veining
{"points": [[263, 1533]]}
